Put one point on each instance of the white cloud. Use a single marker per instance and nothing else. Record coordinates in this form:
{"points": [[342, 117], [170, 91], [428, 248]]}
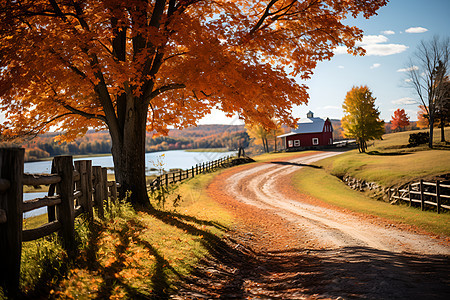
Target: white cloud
{"points": [[404, 101], [374, 45], [341, 67], [384, 49], [388, 32], [372, 39], [340, 50], [413, 68], [408, 80], [376, 65], [416, 30]]}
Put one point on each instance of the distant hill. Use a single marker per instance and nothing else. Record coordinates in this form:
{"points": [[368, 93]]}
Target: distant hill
{"points": [[99, 142]]}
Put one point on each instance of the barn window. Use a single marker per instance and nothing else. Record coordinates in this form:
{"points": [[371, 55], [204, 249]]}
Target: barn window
{"points": [[315, 141], [331, 141], [290, 143], [297, 143]]}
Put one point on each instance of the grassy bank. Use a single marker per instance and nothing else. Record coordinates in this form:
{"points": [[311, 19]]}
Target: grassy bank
{"points": [[390, 162], [131, 254], [323, 186]]}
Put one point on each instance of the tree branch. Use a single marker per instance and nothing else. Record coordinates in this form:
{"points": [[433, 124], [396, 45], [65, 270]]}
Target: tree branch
{"points": [[83, 113], [169, 87]]}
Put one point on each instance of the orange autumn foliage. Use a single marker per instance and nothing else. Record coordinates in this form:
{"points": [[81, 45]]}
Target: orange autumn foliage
{"points": [[422, 117], [136, 65], [399, 120]]}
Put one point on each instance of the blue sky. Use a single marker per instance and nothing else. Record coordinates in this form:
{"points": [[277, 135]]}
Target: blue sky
{"points": [[390, 39]]}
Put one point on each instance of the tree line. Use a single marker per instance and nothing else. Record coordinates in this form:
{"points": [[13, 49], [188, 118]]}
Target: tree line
{"points": [[203, 136]]}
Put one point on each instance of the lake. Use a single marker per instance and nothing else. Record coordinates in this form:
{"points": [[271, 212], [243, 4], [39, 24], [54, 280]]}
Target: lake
{"points": [[169, 160]]}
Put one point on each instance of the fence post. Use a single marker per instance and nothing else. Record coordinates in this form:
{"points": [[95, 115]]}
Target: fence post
{"points": [[180, 175], [98, 197], [114, 192], [166, 177], [11, 169], [203, 168], [173, 178], [409, 194], [51, 210], [438, 196], [193, 175], [83, 167], [105, 186], [422, 198], [65, 210], [196, 169]]}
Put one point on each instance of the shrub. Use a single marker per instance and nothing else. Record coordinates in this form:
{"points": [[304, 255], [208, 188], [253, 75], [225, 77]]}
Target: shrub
{"points": [[416, 139]]}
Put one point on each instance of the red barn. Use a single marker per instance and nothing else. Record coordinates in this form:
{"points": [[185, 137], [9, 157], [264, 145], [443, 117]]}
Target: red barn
{"points": [[310, 133]]}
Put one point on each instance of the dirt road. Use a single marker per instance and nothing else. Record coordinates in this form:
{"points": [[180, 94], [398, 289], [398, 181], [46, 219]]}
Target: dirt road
{"points": [[292, 248]]}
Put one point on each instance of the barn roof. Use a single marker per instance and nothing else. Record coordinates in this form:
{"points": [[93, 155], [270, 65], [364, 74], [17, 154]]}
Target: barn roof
{"points": [[307, 125], [310, 125]]}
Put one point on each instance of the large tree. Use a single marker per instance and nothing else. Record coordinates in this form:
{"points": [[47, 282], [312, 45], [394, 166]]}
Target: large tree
{"points": [[361, 118], [143, 65], [427, 72]]}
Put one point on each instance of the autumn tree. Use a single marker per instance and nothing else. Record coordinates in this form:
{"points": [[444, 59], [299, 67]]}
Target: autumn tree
{"points": [[260, 135], [427, 73], [399, 120], [422, 117], [143, 65], [361, 118]]}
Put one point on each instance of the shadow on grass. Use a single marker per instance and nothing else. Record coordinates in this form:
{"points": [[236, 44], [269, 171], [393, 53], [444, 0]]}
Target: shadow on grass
{"points": [[286, 163], [159, 277], [387, 153]]}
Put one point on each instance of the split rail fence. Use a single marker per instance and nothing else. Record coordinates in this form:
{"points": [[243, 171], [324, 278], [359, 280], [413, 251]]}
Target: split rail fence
{"points": [[167, 179], [425, 193], [75, 188]]}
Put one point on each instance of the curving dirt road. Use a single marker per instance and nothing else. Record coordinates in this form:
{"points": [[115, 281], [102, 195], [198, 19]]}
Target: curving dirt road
{"points": [[259, 186], [290, 246]]}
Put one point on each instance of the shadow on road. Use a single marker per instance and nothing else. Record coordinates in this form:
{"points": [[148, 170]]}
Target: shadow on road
{"points": [[286, 163], [351, 273]]}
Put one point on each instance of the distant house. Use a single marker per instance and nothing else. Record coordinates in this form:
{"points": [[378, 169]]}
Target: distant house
{"points": [[310, 133]]}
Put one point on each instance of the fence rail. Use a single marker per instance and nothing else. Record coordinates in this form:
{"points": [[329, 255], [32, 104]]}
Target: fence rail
{"points": [[167, 179], [424, 193], [75, 188]]}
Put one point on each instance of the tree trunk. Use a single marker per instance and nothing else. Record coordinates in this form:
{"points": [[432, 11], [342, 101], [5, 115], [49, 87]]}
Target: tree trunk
{"points": [[430, 140], [442, 130], [128, 150]]}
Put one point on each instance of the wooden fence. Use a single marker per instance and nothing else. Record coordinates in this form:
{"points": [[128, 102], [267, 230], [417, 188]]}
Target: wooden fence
{"points": [[73, 190], [167, 179], [426, 193]]}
